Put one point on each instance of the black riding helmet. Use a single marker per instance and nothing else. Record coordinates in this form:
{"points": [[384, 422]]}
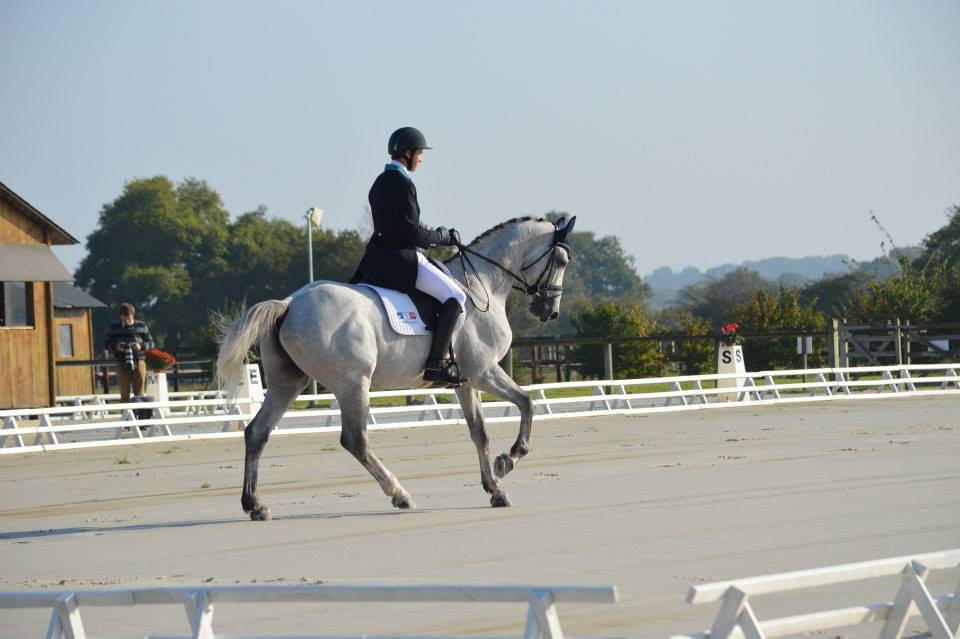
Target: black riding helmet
{"points": [[406, 139]]}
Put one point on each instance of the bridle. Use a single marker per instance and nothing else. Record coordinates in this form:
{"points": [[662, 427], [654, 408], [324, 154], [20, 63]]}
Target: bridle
{"points": [[541, 289]]}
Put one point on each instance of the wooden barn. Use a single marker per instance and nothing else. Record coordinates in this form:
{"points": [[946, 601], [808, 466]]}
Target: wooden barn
{"points": [[73, 315], [28, 333]]}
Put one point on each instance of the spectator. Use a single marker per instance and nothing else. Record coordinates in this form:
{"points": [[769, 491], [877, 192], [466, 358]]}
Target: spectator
{"points": [[128, 340]]}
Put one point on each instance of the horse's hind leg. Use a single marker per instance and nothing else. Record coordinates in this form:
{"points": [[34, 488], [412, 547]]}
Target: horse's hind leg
{"points": [[256, 435], [354, 410], [285, 382], [498, 383], [470, 403]]}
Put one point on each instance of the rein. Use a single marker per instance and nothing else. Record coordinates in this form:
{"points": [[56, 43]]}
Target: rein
{"points": [[537, 289]]}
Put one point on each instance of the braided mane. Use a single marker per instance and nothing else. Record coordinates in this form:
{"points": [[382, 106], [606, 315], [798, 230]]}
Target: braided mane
{"points": [[516, 220]]}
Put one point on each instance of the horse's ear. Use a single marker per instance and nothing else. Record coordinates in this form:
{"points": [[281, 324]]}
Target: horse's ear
{"points": [[564, 227]]}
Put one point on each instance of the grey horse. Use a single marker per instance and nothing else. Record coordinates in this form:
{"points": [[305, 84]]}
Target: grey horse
{"points": [[339, 335]]}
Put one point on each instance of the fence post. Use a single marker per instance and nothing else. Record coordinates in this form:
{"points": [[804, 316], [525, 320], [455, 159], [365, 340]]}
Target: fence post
{"points": [[899, 343], [176, 376], [908, 338], [833, 344], [608, 360], [558, 348], [844, 352], [509, 359], [106, 379], [534, 368]]}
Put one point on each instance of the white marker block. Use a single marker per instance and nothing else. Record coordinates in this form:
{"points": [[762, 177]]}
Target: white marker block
{"points": [[730, 360], [251, 387], [157, 387]]}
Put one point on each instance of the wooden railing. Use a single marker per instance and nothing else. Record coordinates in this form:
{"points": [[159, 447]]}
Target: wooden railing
{"points": [[542, 621], [736, 617], [100, 423]]}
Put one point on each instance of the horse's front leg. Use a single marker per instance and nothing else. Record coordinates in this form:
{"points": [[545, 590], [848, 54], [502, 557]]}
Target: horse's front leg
{"points": [[473, 412], [354, 410], [498, 383]]}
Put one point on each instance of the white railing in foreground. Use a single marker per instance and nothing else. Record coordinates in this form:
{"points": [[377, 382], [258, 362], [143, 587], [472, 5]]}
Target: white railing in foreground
{"points": [[100, 423], [736, 617], [543, 621]]}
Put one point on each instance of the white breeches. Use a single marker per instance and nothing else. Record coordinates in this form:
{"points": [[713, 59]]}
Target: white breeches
{"points": [[437, 284]]}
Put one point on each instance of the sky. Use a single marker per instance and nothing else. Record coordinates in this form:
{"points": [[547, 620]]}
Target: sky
{"points": [[699, 133]]}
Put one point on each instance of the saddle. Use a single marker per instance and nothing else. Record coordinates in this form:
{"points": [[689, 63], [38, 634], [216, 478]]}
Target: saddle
{"points": [[427, 307], [401, 318]]}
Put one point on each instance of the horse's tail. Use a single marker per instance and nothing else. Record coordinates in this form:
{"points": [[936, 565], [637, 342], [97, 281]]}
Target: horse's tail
{"points": [[239, 335]]}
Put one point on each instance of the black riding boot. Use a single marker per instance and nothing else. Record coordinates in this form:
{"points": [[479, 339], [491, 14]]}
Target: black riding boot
{"points": [[440, 367]]}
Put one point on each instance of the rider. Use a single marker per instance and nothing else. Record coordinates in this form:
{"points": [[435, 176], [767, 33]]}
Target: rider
{"points": [[392, 257]]}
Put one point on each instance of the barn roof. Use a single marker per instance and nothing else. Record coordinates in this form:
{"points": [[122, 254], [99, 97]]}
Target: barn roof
{"points": [[66, 295], [31, 263]]}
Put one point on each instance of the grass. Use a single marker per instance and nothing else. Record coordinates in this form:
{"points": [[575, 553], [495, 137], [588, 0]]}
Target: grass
{"points": [[121, 460]]}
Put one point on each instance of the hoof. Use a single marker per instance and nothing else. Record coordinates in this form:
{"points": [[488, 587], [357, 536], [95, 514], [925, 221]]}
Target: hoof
{"points": [[261, 513], [502, 465], [403, 500], [499, 499]]}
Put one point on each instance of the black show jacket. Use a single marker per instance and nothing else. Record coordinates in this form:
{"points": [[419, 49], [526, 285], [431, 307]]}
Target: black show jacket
{"points": [[391, 254]]}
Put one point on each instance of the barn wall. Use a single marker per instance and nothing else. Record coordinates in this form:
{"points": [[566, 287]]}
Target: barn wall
{"points": [[24, 358], [16, 228], [74, 380]]}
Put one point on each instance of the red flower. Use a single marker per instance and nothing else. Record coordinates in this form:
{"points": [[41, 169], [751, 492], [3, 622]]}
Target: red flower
{"points": [[729, 331], [159, 360]]}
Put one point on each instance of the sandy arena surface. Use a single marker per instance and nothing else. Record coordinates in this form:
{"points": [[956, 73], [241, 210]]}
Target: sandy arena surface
{"points": [[651, 504]]}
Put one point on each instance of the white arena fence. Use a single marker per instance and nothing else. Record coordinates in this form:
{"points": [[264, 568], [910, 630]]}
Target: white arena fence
{"points": [[736, 617], [543, 620], [93, 421]]}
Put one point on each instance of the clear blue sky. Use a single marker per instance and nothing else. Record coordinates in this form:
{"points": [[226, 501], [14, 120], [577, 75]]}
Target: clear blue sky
{"points": [[697, 132]]}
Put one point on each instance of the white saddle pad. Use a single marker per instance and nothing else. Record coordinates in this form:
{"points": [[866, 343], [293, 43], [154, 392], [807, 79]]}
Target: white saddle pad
{"points": [[402, 312]]}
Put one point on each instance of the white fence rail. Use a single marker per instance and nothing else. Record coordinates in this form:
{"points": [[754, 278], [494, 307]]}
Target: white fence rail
{"points": [[736, 617], [542, 622], [92, 421]]}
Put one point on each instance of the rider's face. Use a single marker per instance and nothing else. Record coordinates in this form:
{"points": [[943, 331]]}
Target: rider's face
{"points": [[415, 160]]}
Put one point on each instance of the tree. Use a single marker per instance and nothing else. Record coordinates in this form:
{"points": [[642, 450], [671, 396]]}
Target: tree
{"points": [[610, 319], [714, 298], [173, 252], [914, 294], [154, 244], [943, 245], [830, 293], [767, 312], [267, 259], [697, 357]]}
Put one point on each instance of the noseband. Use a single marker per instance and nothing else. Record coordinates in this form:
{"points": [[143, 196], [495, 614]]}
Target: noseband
{"points": [[538, 289]]}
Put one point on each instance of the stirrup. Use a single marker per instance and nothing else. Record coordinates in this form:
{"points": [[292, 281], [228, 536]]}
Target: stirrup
{"points": [[444, 371]]}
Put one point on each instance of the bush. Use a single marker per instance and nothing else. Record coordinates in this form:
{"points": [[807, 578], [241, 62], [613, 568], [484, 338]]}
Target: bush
{"points": [[697, 356], [608, 319], [777, 312]]}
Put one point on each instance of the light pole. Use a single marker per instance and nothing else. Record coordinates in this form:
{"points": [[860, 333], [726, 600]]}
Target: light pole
{"points": [[313, 216]]}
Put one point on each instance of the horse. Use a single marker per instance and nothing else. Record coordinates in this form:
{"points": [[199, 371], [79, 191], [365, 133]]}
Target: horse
{"points": [[339, 335]]}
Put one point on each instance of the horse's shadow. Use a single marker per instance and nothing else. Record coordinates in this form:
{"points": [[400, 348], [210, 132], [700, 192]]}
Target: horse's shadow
{"points": [[20, 535]]}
